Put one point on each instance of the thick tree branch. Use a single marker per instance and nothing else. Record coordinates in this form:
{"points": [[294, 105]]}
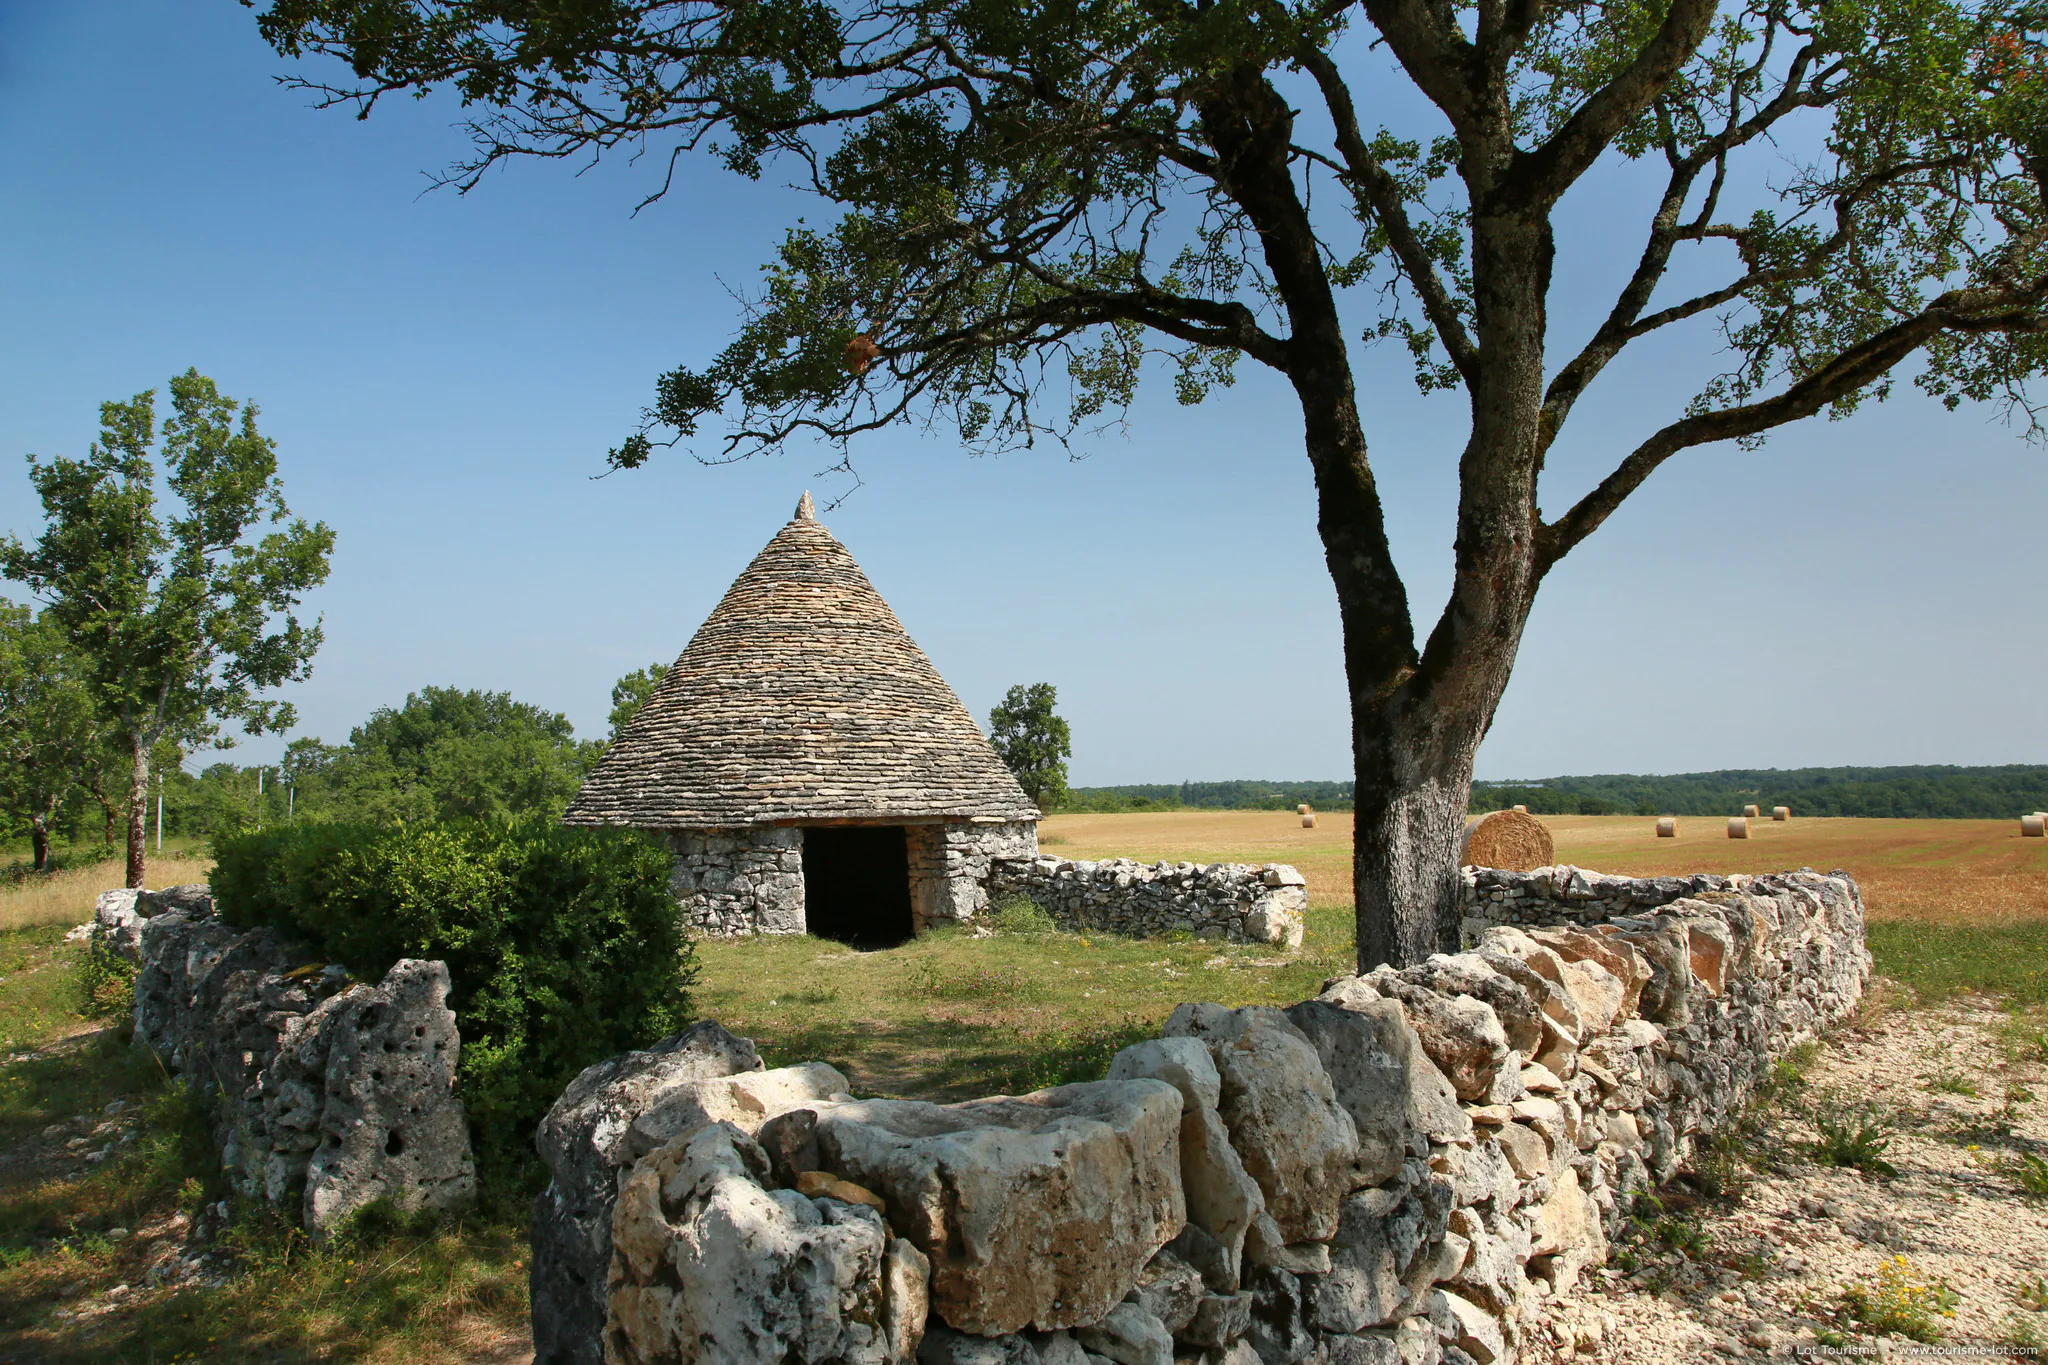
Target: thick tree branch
{"points": [[1426, 40], [1539, 178]]}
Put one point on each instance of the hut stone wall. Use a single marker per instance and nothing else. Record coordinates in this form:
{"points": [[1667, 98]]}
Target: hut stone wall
{"points": [[950, 866], [731, 882], [740, 881]]}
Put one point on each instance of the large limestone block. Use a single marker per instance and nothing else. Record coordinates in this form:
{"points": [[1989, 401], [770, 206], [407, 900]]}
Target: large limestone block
{"points": [[710, 1267], [1518, 1011], [1475, 1331], [1568, 1234], [178, 950], [1537, 971], [117, 923], [1222, 1198], [391, 1127], [1461, 1034], [1667, 947], [583, 1142], [1397, 1098], [1037, 1211], [746, 1101], [1129, 1335], [1389, 1250], [1598, 993], [1710, 952], [1296, 1140], [1572, 944]]}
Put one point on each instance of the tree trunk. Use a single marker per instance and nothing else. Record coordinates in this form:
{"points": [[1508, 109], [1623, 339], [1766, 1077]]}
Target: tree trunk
{"points": [[138, 811], [39, 840], [1413, 784]]}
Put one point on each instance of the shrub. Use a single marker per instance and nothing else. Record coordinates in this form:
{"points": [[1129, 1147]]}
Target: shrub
{"points": [[1898, 1303], [106, 982], [563, 946], [1023, 917], [1856, 1140]]}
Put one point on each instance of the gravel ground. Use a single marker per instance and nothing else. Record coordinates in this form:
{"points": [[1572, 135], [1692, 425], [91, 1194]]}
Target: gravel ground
{"points": [[1791, 1236]]}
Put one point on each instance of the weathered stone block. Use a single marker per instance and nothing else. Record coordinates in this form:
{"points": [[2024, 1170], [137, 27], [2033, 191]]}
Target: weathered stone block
{"points": [[1037, 1211]]}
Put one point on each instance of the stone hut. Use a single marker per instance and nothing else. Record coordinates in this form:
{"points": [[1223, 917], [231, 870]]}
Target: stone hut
{"points": [[812, 770]]}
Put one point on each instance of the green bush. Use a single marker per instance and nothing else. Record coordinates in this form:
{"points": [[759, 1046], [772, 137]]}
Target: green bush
{"points": [[106, 982], [563, 946]]}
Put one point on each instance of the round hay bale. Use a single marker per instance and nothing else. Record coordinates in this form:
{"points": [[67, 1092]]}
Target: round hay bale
{"points": [[1667, 828], [2033, 827], [1308, 819], [1750, 812], [1738, 826], [1511, 840], [1302, 809], [1781, 812], [1519, 810]]}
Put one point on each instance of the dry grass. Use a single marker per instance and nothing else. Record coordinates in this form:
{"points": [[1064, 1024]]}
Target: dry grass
{"points": [[1976, 872], [66, 897], [1955, 905]]}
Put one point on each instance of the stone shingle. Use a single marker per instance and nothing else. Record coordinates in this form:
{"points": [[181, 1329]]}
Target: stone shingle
{"points": [[801, 698]]}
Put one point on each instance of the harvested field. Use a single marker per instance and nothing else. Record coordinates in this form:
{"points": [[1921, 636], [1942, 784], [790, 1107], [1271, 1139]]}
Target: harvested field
{"points": [[1948, 871], [1955, 905]]}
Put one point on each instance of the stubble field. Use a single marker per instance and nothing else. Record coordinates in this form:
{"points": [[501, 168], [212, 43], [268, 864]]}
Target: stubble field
{"points": [[1954, 904]]}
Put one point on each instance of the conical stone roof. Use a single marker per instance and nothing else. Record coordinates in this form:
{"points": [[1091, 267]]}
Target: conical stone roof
{"points": [[801, 698]]}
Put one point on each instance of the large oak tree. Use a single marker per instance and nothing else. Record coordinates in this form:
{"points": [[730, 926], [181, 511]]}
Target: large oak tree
{"points": [[1031, 191]]}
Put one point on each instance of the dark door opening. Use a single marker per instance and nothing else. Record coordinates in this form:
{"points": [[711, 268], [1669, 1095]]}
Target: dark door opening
{"points": [[857, 884]]}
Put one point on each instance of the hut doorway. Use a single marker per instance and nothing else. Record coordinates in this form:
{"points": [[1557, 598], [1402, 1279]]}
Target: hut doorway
{"points": [[857, 884]]}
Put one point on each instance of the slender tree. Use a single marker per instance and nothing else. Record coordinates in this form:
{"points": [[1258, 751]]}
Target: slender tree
{"points": [[1037, 192], [181, 619], [52, 736], [1034, 742], [631, 692]]}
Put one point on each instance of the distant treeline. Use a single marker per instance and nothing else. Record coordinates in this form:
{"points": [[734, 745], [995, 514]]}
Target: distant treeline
{"points": [[1209, 796], [1939, 792]]}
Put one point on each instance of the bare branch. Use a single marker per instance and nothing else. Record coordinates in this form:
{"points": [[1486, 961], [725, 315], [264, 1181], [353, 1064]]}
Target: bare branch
{"points": [[2013, 310]]}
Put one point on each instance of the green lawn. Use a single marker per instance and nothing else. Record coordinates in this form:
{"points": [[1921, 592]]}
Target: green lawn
{"points": [[949, 1016]]}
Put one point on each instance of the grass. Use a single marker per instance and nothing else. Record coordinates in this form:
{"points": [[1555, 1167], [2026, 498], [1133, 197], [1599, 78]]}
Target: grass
{"points": [[78, 1240], [949, 1016], [65, 896]]}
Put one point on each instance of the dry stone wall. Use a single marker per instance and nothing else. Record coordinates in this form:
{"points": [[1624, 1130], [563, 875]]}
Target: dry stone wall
{"points": [[1567, 894], [731, 882], [1403, 1171], [951, 865], [1237, 902], [328, 1094], [740, 881]]}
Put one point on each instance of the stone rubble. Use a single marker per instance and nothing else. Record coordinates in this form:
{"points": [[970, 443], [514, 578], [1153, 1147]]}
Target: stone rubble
{"points": [[1422, 1164], [330, 1094]]}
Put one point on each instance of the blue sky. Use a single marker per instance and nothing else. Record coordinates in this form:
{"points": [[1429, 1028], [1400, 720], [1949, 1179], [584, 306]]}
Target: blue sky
{"points": [[443, 374]]}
